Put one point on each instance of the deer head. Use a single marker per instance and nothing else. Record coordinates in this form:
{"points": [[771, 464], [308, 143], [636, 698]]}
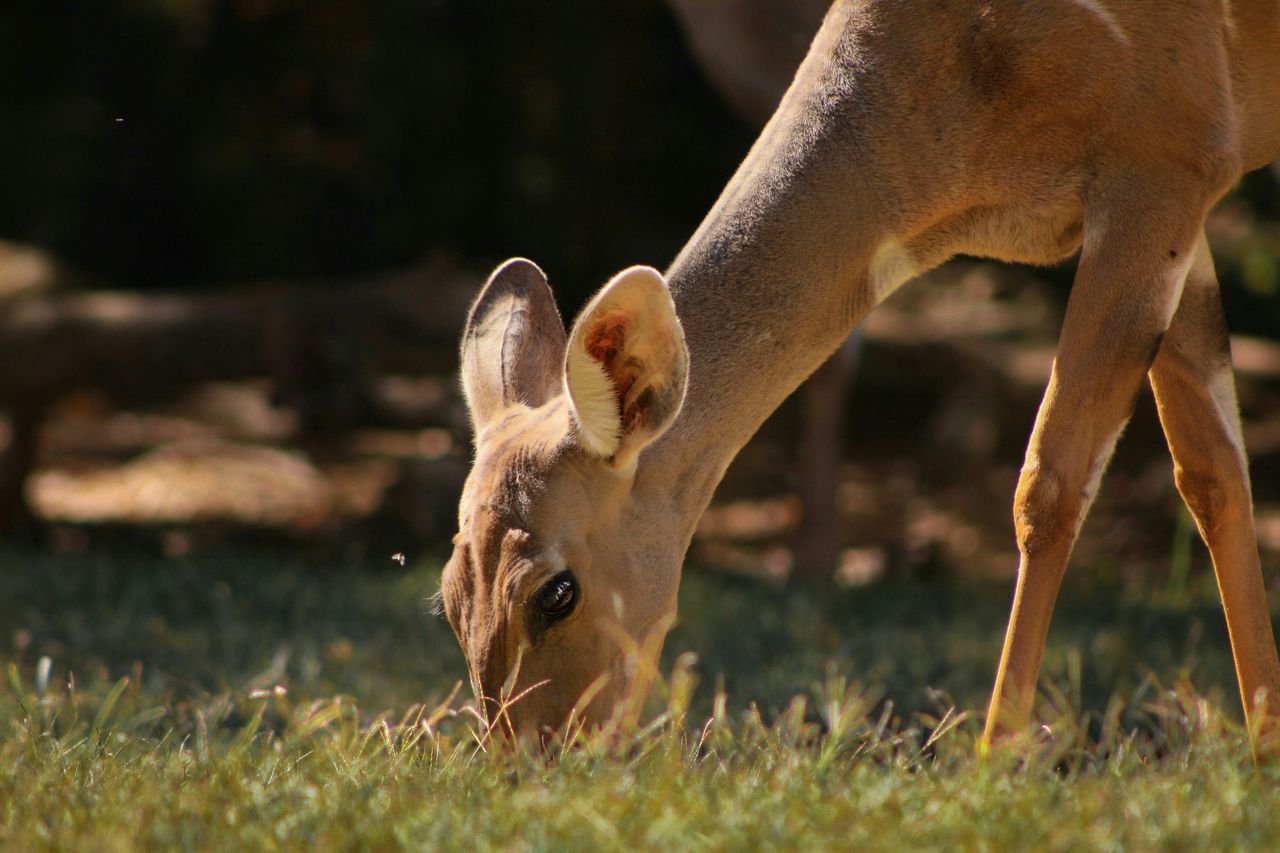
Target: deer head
{"points": [[557, 603]]}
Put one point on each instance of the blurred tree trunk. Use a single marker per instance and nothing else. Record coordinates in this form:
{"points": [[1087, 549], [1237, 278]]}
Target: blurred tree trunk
{"points": [[17, 459], [822, 428]]}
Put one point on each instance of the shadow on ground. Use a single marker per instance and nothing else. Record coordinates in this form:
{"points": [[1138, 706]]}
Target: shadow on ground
{"points": [[196, 627]]}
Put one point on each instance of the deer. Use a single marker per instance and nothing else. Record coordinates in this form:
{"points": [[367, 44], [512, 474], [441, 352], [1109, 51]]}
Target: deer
{"points": [[913, 131]]}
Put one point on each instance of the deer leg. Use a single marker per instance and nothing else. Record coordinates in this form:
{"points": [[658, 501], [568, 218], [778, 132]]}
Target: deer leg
{"points": [[1126, 289], [1196, 397]]}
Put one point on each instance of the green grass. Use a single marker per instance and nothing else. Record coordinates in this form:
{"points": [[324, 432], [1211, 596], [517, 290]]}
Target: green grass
{"points": [[251, 700]]}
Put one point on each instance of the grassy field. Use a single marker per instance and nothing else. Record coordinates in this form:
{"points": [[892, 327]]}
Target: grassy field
{"points": [[259, 700]]}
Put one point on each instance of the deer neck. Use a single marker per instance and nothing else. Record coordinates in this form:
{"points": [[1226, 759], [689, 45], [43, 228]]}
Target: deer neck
{"points": [[795, 252]]}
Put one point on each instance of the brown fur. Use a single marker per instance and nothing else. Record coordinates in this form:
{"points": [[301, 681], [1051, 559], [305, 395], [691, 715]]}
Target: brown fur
{"points": [[916, 130]]}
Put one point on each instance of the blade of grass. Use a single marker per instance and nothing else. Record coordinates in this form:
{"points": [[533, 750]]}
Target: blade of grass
{"points": [[15, 684], [108, 705], [246, 734]]}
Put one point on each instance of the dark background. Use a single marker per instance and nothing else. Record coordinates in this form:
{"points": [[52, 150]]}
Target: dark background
{"points": [[164, 144], [206, 145], [167, 143]]}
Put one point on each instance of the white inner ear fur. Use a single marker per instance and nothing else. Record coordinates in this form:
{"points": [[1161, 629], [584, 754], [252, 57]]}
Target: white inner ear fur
{"points": [[651, 352], [595, 403]]}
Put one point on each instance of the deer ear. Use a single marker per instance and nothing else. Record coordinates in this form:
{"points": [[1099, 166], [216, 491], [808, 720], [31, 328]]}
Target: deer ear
{"points": [[627, 366], [513, 345]]}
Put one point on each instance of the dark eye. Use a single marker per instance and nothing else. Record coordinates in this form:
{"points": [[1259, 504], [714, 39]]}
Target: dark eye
{"points": [[554, 600]]}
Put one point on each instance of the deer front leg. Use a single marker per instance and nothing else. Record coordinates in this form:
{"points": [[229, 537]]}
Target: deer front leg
{"points": [[1126, 288], [1196, 397]]}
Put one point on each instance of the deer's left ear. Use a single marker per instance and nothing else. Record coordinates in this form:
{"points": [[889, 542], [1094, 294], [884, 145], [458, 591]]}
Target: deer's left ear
{"points": [[626, 366]]}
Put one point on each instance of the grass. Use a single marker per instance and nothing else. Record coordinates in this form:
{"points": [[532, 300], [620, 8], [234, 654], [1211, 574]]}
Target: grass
{"points": [[256, 700]]}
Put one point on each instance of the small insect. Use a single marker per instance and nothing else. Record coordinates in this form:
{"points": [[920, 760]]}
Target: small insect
{"points": [[398, 557]]}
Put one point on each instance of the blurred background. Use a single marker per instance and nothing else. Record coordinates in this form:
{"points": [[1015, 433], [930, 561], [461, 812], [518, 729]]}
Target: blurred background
{"points": [[240, 237]]}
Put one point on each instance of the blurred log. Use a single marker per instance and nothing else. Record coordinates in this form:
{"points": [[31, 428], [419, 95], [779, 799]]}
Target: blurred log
{"points": [[27, 271], [144, 346], [322, 344]]}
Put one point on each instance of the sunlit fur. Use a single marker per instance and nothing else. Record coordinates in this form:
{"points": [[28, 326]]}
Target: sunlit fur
{"points": [[1005, 129], [547, 492], [595, 403]]}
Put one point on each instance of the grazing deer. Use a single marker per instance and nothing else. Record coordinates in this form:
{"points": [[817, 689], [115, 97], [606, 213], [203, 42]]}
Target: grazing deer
{"points": [[914, 130]]}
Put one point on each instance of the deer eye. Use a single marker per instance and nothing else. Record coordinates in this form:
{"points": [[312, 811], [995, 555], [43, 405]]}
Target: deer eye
{"points": [[555, 599]]}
